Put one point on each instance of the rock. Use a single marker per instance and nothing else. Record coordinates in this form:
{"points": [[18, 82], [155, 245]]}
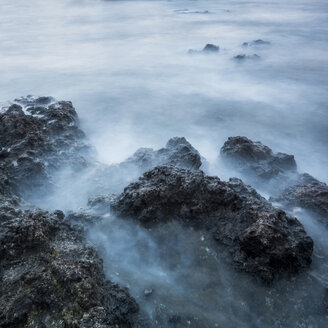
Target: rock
{"points": [[256, 43], [291, 188], [187, 11], [256, 159], [208, 49], [261, 239], [308, 193], [97, 209], [211, 48], [99, 204], [51, 278], [37, 137], [148, 292], [178, 151], [243, 57]]}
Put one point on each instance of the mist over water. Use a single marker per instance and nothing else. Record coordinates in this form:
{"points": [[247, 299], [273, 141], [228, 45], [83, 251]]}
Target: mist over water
{"points": [[126, 68], [180, 279]]}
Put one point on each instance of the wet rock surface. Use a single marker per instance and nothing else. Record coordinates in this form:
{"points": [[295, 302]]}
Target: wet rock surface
{"points": [[262, 240], [51, 278], [308, 193], [38, 136], [177, 151], [253, 158], [293, 188], [211, 48], [49, 275], [256, 43], [244, 57], [208, 49]]}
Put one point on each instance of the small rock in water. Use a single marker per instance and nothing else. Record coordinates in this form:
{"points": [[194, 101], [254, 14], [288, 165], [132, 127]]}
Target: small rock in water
{"points": [[255, 43], [148, 292], [211, 48], [242, 57], [252, 157]]}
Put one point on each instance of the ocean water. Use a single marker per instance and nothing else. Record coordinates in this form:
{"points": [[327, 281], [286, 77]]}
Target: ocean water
{"points": [[125, 66]]}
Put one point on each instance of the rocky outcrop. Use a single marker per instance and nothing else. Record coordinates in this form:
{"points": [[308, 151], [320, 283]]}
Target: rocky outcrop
{"points": [[211, 48], [177, 151], [51, 278], [256, 43], [38, 136], [292, 188], [262, 240], [308, 193], [208, 49], [244, 57], [253, 158]]}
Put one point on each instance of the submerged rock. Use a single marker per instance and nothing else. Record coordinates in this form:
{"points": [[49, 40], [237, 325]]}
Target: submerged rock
{"points": [[254, 158], [38, 136], [243, 57], [208, 49], [256, 43], [211, 48], [187, 11], [51, 278], [308, 193], [262, 240]]}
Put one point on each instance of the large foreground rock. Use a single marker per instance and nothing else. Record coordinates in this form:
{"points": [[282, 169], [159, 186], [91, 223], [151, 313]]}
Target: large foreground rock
{"points": [[262, 240], [254, 158], [50, 278]]}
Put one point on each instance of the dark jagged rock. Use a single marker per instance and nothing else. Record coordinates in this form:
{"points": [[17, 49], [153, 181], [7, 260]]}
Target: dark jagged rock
{"points": [[50, 278], [178, 151], [308, 193], [99, 204], [97, 208], [38, 136], [256, 43], [243, 57], [261, 239], [254, 158], [292, 189], [187, 11]]}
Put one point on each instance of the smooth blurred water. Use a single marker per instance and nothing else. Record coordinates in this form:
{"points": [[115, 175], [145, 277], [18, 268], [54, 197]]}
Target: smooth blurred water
{"points": [[125, 66]]}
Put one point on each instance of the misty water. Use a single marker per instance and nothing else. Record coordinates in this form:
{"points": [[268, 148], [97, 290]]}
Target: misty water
{"points": [[126, 68]]}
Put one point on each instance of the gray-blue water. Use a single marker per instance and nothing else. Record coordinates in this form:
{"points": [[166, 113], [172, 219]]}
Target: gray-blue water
{"points": [[126, 68]]}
